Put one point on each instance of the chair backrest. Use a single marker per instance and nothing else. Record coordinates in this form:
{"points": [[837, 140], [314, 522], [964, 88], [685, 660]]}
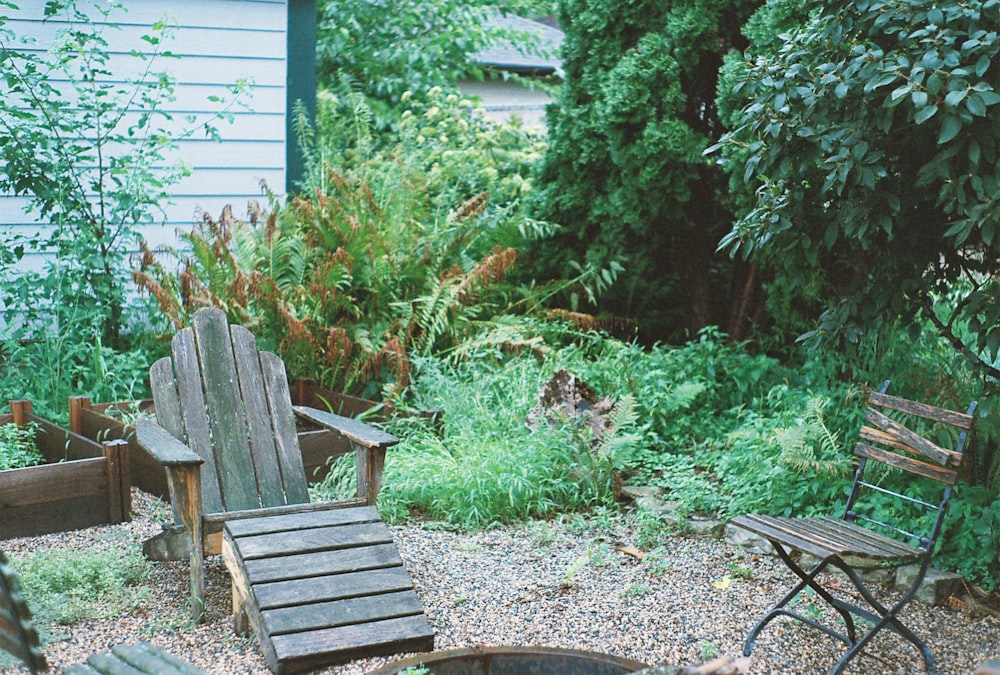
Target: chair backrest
{"points": [[17, 634], [230, 403], [886, 440]]}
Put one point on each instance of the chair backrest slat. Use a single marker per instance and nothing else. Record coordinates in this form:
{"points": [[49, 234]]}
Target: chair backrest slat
{"points": [[286, 439], [955, 419], [226, 415], [913, 441], [231, 404], [258, 417], [925, 469], [17, 633], [197, 433]]}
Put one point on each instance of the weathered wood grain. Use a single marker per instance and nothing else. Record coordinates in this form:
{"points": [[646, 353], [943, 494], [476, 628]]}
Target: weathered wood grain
{"points": [[339, 561], [330, 587], [299, 521], [957, 419], [314, 539], [199, 436], [17, 633], [286, 440], [227, 418], [298, 652], [263, 452], [943, 474], [337, 613]]}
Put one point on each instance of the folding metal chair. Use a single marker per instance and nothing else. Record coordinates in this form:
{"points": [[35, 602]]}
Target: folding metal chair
{"points": [[859, 534]]}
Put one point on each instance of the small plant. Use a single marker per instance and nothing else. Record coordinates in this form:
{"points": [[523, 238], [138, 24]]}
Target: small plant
{"points": [[637, 591], [17, 446], [416, 670], [741, 571], [650, 529], [574, 568], [68, 586], [708, 650], [656, 562]]}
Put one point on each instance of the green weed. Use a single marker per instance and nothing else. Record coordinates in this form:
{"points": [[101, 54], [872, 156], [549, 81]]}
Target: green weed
{"points": [[17, 446]]}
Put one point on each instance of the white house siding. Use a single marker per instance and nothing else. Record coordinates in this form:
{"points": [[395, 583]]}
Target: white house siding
{"points": [[217, 42]]}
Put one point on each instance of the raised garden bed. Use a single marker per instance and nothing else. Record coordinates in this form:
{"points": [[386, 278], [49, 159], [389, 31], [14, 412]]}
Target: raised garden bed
{"points": [[81, 484], [105, 421]]}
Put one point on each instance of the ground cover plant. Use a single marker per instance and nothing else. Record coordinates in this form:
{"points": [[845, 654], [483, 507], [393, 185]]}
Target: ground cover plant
{"points": [[65, 587]]}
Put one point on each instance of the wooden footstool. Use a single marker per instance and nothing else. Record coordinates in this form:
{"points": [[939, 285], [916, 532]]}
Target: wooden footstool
{"points": [[322, 587]]}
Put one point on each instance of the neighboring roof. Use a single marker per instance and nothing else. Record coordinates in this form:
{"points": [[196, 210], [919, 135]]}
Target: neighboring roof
{"points": [[508, 57]]}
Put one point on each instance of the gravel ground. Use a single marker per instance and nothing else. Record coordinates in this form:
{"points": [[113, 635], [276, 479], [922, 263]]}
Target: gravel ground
{"points": [[576, 583]]}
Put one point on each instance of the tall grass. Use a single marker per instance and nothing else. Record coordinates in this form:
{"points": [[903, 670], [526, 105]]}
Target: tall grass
{"points": [[486, 466]]}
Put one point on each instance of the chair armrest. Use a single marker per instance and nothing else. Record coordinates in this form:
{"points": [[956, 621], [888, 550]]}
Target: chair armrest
{"points": [[355, 431], [163, 447]]}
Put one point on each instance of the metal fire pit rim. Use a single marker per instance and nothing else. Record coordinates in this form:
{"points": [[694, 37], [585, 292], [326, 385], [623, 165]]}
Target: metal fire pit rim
{"points": [[430, 658]]}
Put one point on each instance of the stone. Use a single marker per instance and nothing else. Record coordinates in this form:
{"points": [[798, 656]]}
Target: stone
{"points": [[870, 571], [936, 587], [747, 540], [637, 492], [706, 527]]}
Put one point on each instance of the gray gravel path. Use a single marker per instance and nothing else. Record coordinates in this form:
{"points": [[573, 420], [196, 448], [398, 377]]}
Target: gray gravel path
{"points": [[574, 583]]}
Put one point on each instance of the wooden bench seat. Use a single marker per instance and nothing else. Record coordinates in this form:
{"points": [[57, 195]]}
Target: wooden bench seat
{"points": [[142, 657]]}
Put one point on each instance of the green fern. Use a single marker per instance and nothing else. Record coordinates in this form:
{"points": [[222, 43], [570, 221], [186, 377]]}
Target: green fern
{"points": [[811, 446], [623, 435]]}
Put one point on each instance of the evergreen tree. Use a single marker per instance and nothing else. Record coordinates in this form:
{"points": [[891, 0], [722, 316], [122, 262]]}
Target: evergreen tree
{"points": [[625, 175]]}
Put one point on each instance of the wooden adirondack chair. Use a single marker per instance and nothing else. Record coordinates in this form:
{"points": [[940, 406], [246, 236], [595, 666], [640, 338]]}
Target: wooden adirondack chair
{"points": [[225, 432]]}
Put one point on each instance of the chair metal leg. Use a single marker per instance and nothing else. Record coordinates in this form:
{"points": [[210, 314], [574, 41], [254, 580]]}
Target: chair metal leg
{"points": [[881, 617], [807, 579], [885, 618]]}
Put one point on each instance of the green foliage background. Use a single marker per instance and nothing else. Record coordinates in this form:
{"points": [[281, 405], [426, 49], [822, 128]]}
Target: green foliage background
{"points": [[624, 174], [410, 268]]}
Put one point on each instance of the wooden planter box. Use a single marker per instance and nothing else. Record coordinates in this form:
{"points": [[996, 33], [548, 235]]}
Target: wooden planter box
{"points": [[103, 421], [84, 483]]}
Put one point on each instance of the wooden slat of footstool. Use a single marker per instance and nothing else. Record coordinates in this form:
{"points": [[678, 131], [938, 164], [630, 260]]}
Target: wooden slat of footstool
{"points": [[340, 561], [305, 651], [332, 587], [314, 539]]}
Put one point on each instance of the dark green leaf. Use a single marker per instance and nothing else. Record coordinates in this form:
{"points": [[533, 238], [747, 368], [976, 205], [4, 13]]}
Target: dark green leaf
{"points": [[925, 114]]}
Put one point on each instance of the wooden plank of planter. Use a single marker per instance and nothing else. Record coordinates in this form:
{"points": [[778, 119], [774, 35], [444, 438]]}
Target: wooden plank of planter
{"points": [[92, 421], [307, 393], [316, 446], [53, 497]]}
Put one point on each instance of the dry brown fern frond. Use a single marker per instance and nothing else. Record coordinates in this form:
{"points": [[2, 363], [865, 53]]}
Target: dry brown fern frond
{"points": [[474, 205]]}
